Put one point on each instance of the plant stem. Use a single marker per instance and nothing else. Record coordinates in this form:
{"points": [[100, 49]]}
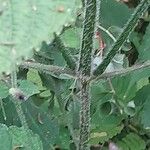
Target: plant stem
{"points": [[107, 32], [47, 68], [87, 37], [18, 106], [70, 62], [121, 72], [123, 36], [84, 116], [84, 69], [3, 109], [50, 68], [18, 103]]}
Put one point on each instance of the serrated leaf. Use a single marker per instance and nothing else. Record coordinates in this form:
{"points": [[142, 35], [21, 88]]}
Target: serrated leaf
{"points": [[71, 37], [123, 88], [25, 139], [41, 123], [141, 96], [102, 135], [25, 24], [64, 138], [117, 15], [144, 48], [34, 77], [4, 90], [11, 114], [132, 141], [13, 137], [104, 127], [5, 138], [28, 88], [145, 118]]}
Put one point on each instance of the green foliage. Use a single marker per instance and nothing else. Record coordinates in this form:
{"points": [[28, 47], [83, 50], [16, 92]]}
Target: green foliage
{"points": [[5, 138], [131, 142], [143, 49], [117, 15], [13, 137], [60, 109], [25, 25], [71, 37], [144, 114], [3, 90], [28, 88]]}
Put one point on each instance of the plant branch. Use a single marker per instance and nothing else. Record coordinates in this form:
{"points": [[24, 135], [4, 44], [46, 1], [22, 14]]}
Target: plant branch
{"points": [[121, 72], [84, 69], [47, 68], [87, 37], [107, 32], [59, 70], [16, 101], [3, 109], [70, 62], [142, 7]]}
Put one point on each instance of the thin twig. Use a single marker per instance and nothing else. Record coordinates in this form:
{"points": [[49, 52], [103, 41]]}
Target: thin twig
{"points": [[121, 72], [3, 109], [7, 44], [107, 32]]}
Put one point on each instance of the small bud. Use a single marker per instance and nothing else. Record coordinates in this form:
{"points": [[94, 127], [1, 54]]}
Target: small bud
{"points": [[18, 94]]}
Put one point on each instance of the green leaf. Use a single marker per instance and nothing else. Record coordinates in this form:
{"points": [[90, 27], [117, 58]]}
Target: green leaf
{"points": [[144, 48], [41, 123], [34, 77], [28, 88], [71, 37], [124, 90], [4, 90], [145, 120], [21, 137], [104, 128], [5, 138], [132, 141], [25, 24], [64, 138], [102, 135], [100, 93], [11, 114], [14, 137], [141, 96], [114, 13]]}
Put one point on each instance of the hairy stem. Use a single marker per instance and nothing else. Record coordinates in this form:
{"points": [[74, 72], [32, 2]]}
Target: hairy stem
{"points": [[122, 72], [84, 116], [87, 37], [123, 36], [71, 73], [84, 69], [19, 108], [70, 62], [3, 109], [47, 68]]}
